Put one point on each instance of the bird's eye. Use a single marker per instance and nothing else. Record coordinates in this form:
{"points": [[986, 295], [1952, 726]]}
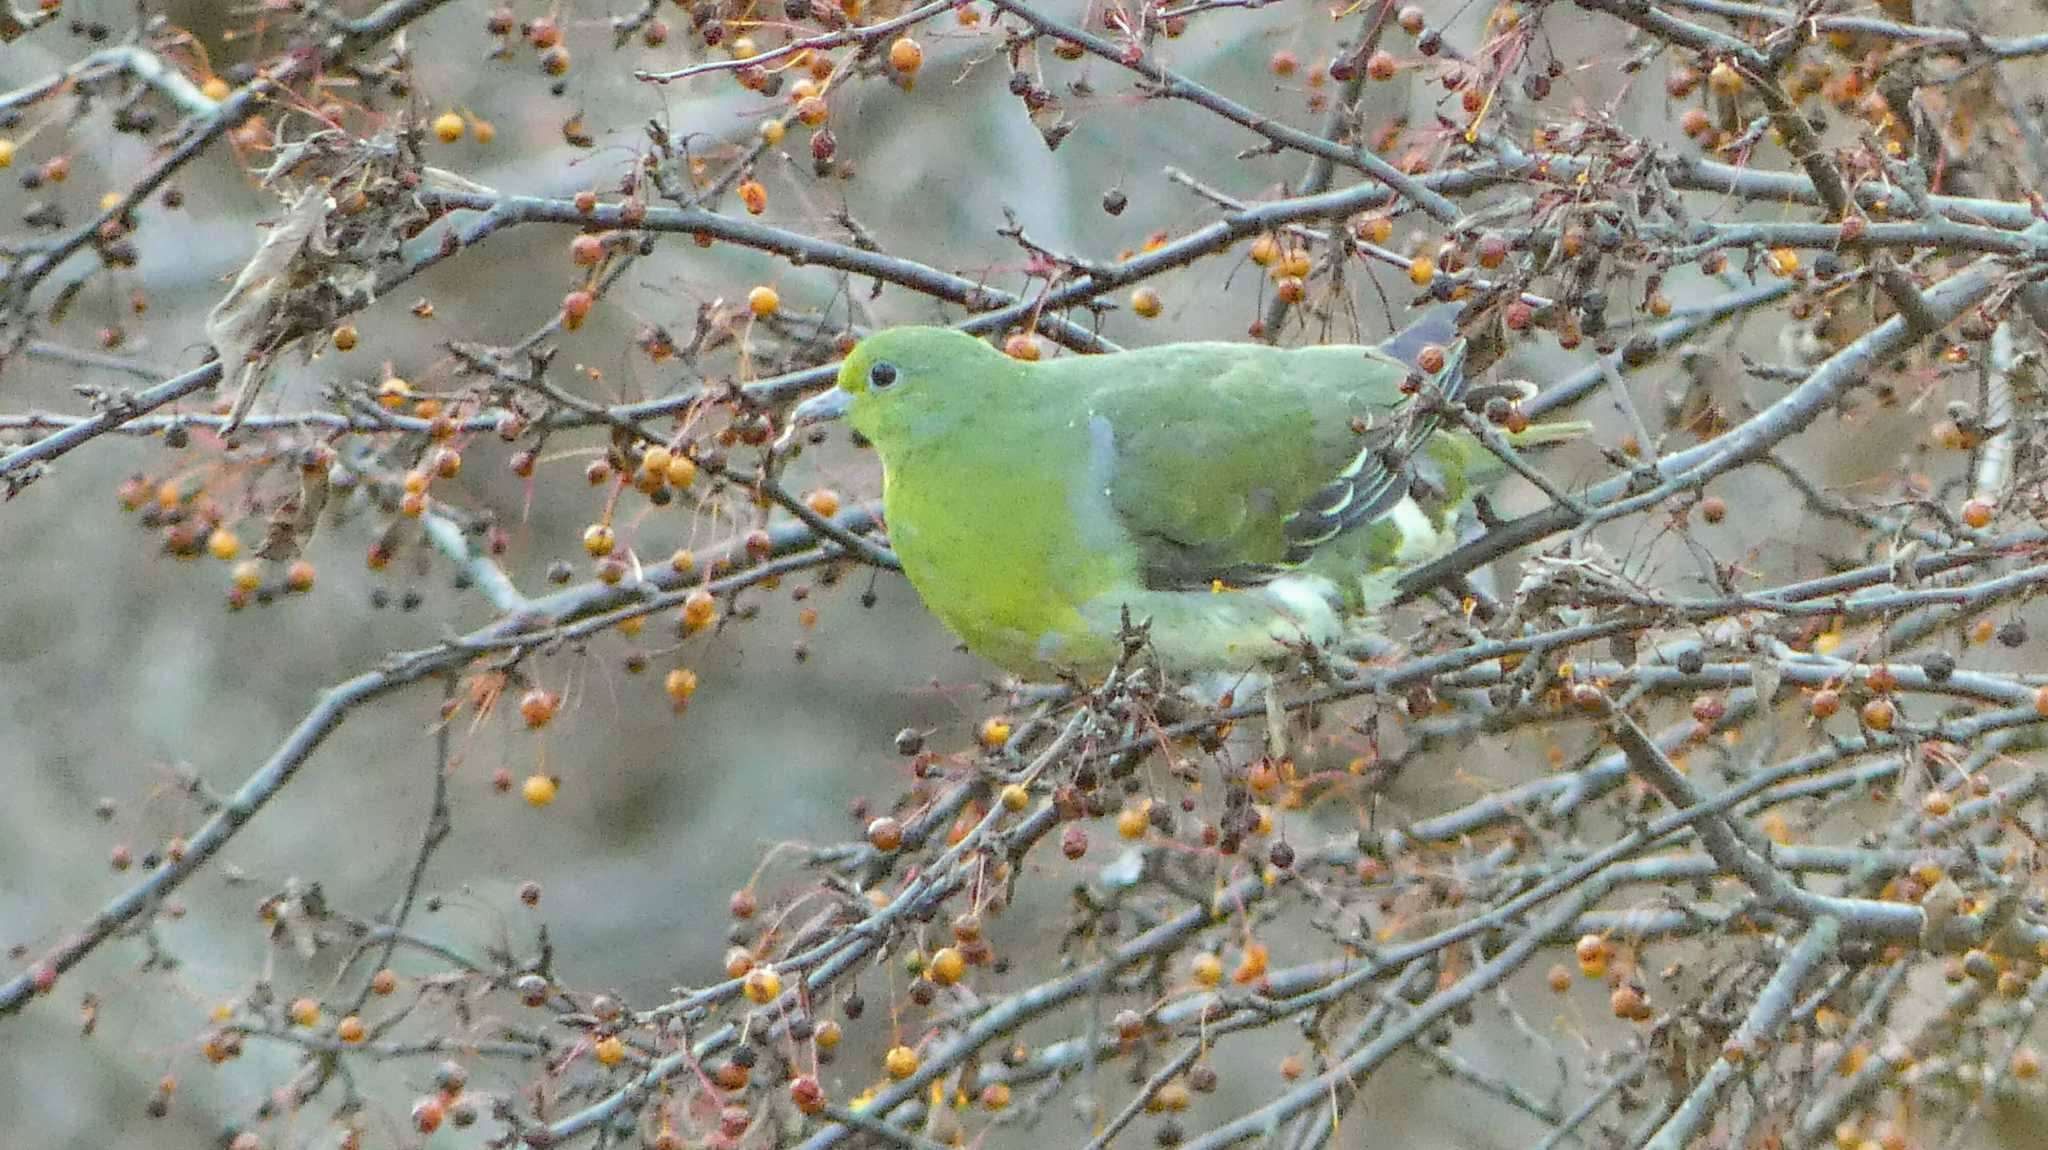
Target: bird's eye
{"points": [[881, 374]]}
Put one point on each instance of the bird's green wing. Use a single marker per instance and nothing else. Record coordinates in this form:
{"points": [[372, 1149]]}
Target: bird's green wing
{"points": [[1235, 462]]}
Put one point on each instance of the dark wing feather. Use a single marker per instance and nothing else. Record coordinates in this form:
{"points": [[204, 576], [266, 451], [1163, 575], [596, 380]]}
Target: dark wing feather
{"points": [[1378, 477]]}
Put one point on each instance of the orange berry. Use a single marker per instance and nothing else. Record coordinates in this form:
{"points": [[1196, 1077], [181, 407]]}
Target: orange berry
{"points": [[1206, 970], [946, 966], [598, 540], [1977, 513], [763, 301], [900, 1062], [539, 790], [1131, 822], [994, 733], [1252, 966], [811, 111], [682, 471], [351, 1030], [1381, 65], [1879, 714], [824, 501], [1285, 63], [885, 834], [344, 337], [699, 610], [806, 1094], [576, 307], [1421, 270], [763, 985], [1146, 303], [1783, 261], [427, 1114], [754, 196], [906, 55], [1825, 703], [609, 1050], [449, 127], [1723, 78], [304, 1012], [1628, 1002], [1022, 345], [2026, 1064], [680, 684]]}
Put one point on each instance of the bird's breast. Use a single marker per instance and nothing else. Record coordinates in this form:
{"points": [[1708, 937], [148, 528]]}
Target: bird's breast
{"points": [[994, 542]]}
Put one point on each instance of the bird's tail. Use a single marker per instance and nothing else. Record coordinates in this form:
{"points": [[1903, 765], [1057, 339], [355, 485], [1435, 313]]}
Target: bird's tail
{"points": [[1438, 325]]}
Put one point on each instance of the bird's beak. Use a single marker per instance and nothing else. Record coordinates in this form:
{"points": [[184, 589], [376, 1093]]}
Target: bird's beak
{"points": [[827, 405]]}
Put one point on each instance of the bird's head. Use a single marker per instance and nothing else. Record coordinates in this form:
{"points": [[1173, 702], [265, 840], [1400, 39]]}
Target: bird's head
{"points": [[909, 382]]}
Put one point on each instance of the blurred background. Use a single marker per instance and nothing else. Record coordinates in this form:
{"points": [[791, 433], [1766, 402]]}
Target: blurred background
{"points": [[123, 675]]}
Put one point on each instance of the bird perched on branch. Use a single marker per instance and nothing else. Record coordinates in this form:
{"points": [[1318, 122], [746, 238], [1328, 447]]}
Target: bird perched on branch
{"points": [[1242, 503]]}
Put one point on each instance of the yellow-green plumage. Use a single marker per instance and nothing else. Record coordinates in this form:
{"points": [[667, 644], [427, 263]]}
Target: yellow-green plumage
{"points": [[1239, 498]]}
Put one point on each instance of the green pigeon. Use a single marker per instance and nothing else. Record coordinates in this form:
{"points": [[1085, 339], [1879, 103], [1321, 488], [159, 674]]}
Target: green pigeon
{"points": [[1243, 502]]}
